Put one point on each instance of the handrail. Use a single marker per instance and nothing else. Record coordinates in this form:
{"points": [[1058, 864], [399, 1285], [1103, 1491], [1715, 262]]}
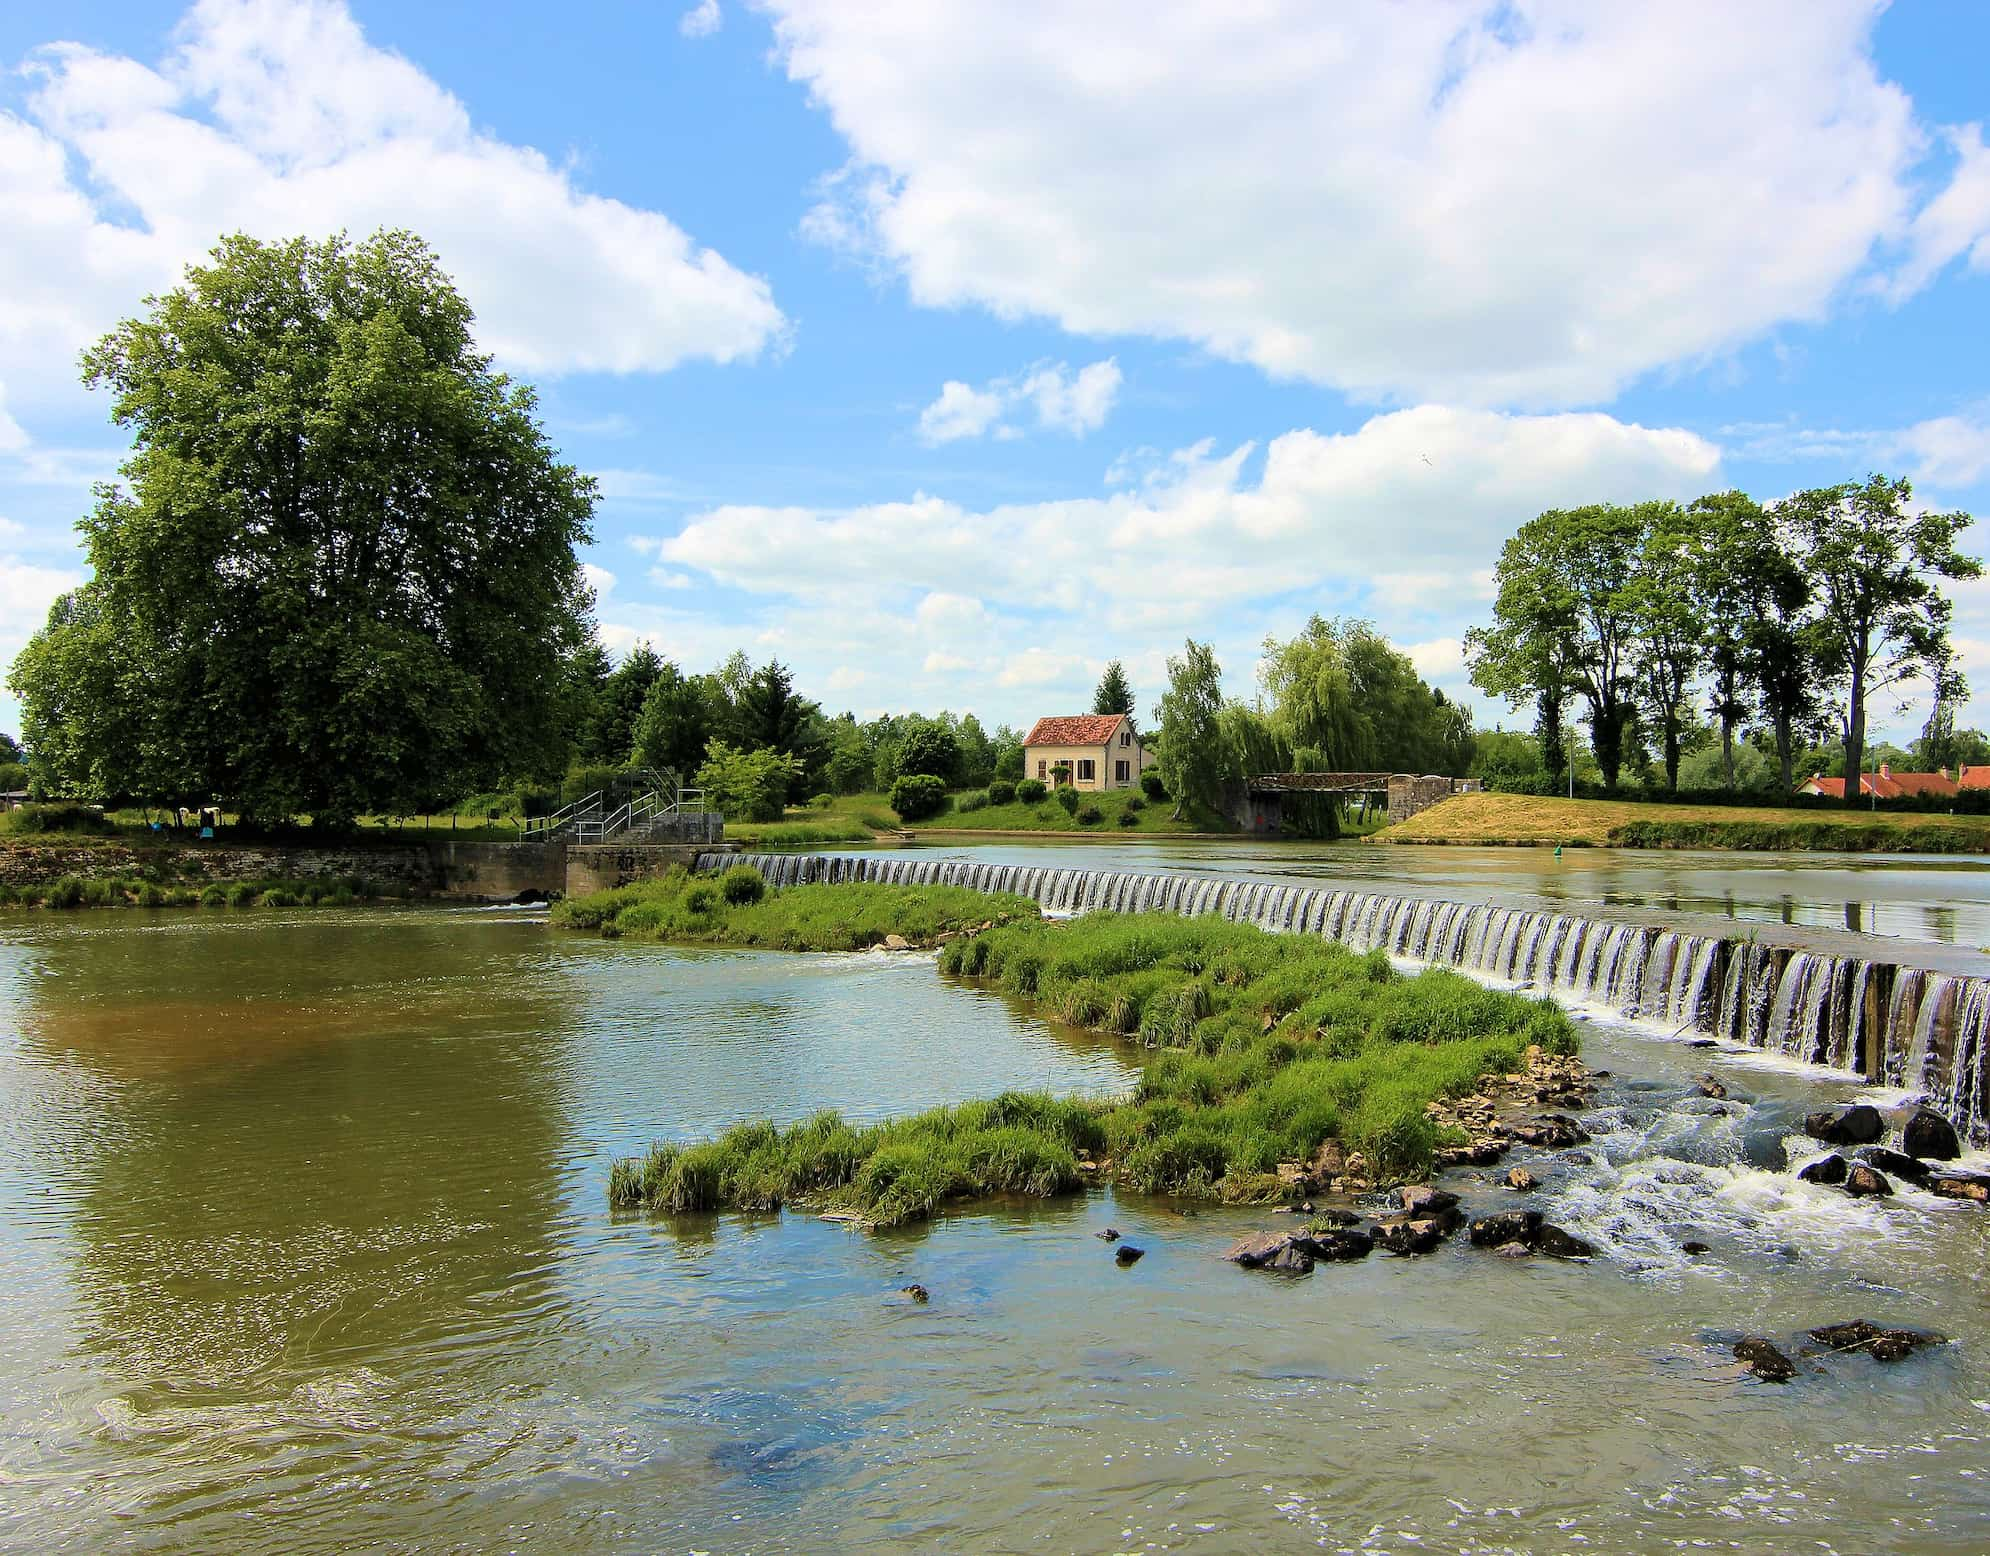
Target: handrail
{"points": [[591, 822]]}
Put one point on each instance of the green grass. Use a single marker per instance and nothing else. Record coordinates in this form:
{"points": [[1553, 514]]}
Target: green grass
{"points": [[128, 891], [1809, 835], [798, 834], [846, 917], [1261, 1047]]}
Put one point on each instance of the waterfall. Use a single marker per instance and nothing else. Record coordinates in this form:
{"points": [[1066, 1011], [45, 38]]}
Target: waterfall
{"points": [[1903, 1026]]}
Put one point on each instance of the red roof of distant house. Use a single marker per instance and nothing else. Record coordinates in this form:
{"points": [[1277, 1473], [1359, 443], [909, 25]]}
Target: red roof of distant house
{"points": [[1886, 784], [1078, 729], [1977, 777]]}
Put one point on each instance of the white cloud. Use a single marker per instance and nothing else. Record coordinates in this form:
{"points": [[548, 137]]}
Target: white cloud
{"points": [[277, 117], [12, 439], [702, 20], [27, 589], [667, 578], [599, 579], [1948, 451], [1063, 402], [1039, 667], [1956, 222], [1441, 661], [961, 411], [1461, 200]]}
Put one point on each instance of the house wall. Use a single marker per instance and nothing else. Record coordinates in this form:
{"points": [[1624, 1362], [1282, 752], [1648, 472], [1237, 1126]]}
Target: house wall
{"points": [[1136, 756]]}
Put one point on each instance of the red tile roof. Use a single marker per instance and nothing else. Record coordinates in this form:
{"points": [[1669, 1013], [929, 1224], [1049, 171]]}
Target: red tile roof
{"points": [[1977, 777], [1892, 786], [1078, 729]]}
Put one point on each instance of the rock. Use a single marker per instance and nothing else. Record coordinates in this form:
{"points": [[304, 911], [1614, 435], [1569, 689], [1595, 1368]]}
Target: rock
{"points": [[1420, 1199], [1506, 1226], [1929, 1135], [1881, 1344], [1551, 1132], [1126, 1254], [1513, 1251], [531, 897], [1291, 1260], [1334, 1244], [1960, 1185], [1704, 1042], [1521, 1180], [915, 1291], [1109, 1235], [1260, 1248], [1328, 1162], [1826, 1169], [1403, 1235], [1483, 1153], [1895, 1164], [1709, 1087], [1333, 1215], [1764, 1360], [1863, 1181], [1859, 1124], [1693, 1248], [1559, 1244], [897, 943]]}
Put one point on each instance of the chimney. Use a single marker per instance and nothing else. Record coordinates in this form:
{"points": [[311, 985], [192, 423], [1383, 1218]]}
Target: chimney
{"points": [[1885, 770]]}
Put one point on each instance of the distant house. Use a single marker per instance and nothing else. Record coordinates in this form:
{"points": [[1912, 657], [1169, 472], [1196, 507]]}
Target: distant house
{"points": [[1977, 777], [1886, 784], [1097, 751]]}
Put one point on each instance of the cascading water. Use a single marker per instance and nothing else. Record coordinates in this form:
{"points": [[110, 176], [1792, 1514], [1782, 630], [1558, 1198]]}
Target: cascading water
{"points": [[1898, 1025]]}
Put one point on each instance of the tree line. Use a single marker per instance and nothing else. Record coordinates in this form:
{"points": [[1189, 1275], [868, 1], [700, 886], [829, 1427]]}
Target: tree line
{"points": [[1786, 619]]}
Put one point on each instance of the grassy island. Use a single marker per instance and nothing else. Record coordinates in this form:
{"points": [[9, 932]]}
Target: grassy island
{"points": [[1265, 1051]]}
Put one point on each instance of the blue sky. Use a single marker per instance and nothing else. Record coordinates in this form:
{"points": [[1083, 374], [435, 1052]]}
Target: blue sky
{"points": [[947, 351]]}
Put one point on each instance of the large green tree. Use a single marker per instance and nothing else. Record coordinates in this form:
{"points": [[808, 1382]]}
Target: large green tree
{"points": [[1192, 755], [675, 724], [611, 732], [1875, 562], [1670, 636], [339, 574], [1115, 692], [1341, 691], [1730, 553]]}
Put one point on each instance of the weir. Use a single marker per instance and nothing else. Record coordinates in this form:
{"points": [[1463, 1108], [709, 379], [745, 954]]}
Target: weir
{"points": [[1892, 1023]]}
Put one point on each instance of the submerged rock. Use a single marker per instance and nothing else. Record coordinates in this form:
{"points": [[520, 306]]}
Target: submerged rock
{"points": [[1558, 1243], [1506, 1226], [1929, 1135], [1126, 1253], [1881, 1344], [1709, 1087], [1862, 1182], [915, 1291], [1830, 1170], [1960, 1185], [1859, 1124], [1521, 1180], [1420, 1199], [1694, 1248], [1404, 1235], [1109, 1235], [1764, 1360], [1894, 1163], [1334, 1244], [1259, 1248]]}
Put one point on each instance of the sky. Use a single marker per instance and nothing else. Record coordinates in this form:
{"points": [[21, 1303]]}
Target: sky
{"points": [[946, 351]]}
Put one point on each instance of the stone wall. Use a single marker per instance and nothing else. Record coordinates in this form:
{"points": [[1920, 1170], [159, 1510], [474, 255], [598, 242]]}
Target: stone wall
{"points": [[492, 872], [1409, 794], [604, 866]]}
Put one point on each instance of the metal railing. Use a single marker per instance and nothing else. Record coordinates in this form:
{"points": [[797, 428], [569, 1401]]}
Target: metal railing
{"points": [[593, 819]]}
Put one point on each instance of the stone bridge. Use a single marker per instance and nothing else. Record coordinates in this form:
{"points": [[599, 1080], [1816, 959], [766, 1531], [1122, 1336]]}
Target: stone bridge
{"points": [[1256, 804]]}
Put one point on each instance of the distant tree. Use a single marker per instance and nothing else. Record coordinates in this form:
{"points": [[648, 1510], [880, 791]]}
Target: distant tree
{"points": [[340, 574], [747, 785], [10, 749], [675, 725], [976, 766], [1500, 755], [611, 734], [585, 674], [930, 749], [1191, 755], [1668, 631], [1875, 563], [1008, 754], [847, 767], [1114, 694], [1730, 555]]}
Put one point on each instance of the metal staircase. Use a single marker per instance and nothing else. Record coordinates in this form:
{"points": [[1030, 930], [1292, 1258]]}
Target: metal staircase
{"points": [[632, 810]]}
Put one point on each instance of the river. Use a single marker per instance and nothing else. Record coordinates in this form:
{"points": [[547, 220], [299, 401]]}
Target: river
{"points": [[305, 1248]]}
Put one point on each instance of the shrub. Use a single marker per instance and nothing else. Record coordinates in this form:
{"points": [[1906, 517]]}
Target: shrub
{"points": [[98, 894], [277, 897], [1001, 792], [1152, 787], [242, 895], [971, 799], [150, 896], [823, 801], [1135, 803], [1090, 816], [65, 893], [1128, 819], [918, 796], [213, 895], [1068, 798], [742, 884], [1031, 791], [57, 818], [700, 898]]}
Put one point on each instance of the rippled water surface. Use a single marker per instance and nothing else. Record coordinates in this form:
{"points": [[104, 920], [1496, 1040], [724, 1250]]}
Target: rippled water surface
{"points": [[304, 1248]]}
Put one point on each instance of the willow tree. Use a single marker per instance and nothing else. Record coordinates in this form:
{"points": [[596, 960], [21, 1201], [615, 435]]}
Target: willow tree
{"points": [[339, 574], [1193, 758], [1874, 563]]}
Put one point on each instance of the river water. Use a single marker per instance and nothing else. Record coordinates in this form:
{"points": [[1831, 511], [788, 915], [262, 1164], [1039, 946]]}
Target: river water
{"points": [[304, 1247]]}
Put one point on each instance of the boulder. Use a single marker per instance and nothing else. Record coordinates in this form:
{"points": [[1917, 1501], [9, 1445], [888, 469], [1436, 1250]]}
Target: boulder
{"points": [[1930, 1136], [1420, 1199], [897, 943], [1334, 1244], [1521, 1180], [1551, 1132], [1960, 1185], [1260, 1248], [1863, 1181], [1764, 1360], [1557, 1243], [1333, 1215], [1881, 1344], [1859, 1124], [1513, 1251], [1108, 1235], [1126, 1254], [1407, 1235], [1826, 1169], [1709, 1087], [915, 1291], [1693, 1248], [1506, 1226], [1290, 1260], [1895, 1164]]}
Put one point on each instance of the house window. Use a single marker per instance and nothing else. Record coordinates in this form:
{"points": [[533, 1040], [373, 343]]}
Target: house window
{"points": [[1125, 739], [1119, 772], [1042, 768], [1088, 770]]}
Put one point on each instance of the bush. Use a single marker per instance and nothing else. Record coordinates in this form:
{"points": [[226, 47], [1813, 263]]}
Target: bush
{"points": [[242, 895], [65, 893], [1001, 792], [1128, 819], [1031, 791], [1068, 798], [98, 894], [823, 801], [150, 896], [700, 898], [277, 897], [1135, 803], [742, 884], [1152, 787], [213, 895], [56, 818], [1090, 816], [971, 799], [918, 796]]}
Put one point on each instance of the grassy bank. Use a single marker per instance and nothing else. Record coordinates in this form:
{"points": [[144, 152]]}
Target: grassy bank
{"points": [[736, 909], [1120, 813], [1530, 819], [1263, 1049], [808, 830], [74, 891]]}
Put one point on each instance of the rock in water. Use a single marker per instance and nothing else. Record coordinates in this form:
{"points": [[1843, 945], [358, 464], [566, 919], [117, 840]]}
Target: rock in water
{"points": [[1859, 1124], [1403, 1235], [915, 1291], [1764, 1360], [1930, 1136], [1709, 1087], [1507, 1226], [1960, 1185], [1693, 1248], [1881, 1344], [1109, 1235], [1260, 1248], [1862, 1181], [1521, 1180], [1895, 1164], [1420, 1199], [1559, 1244], [1333, 1244], [1826, 1169], [1126, 1254], [1291, 1260]]}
